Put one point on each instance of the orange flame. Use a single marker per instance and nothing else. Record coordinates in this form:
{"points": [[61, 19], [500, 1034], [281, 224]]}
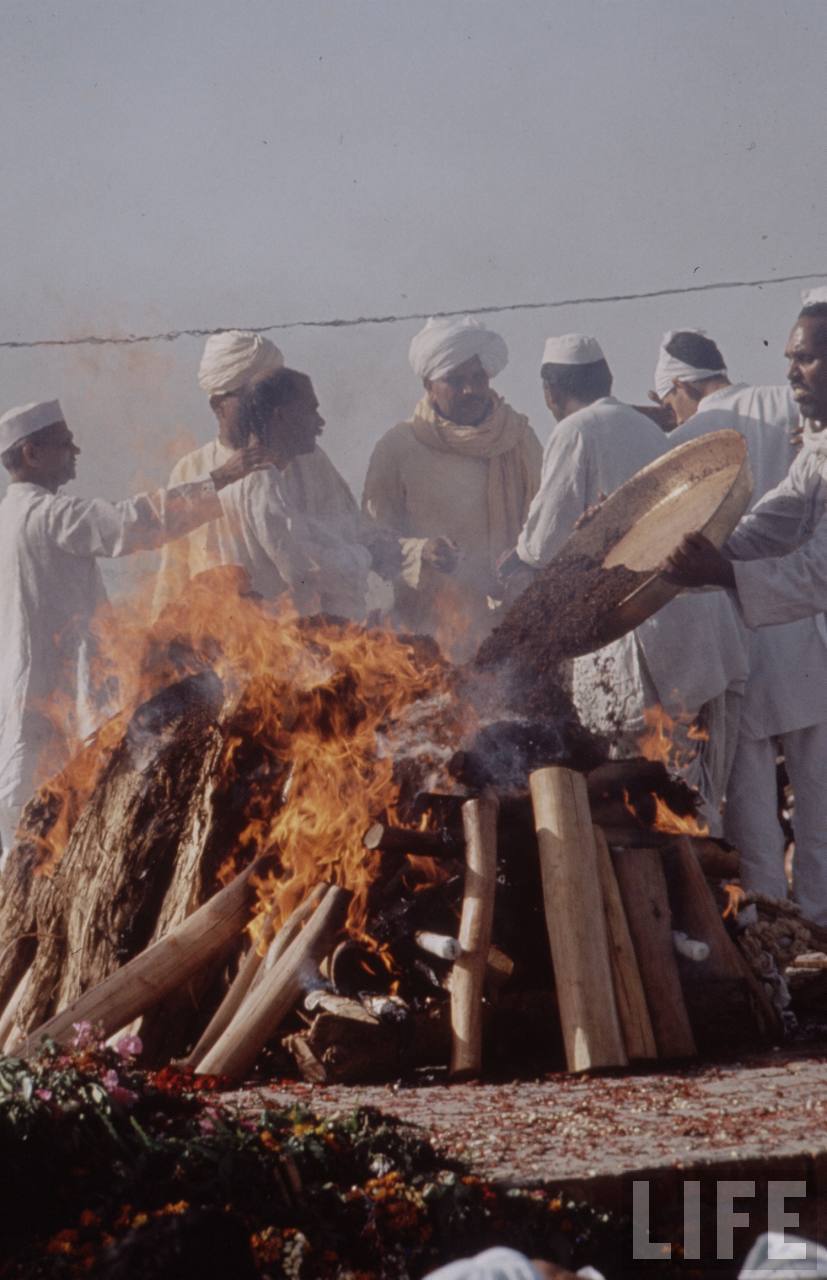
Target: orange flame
{"points": [[675, 824], [327, 700], [659, 742], [735, 899]]}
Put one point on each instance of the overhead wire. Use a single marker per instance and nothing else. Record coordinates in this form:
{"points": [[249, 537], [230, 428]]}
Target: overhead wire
{"points": [[172, 335]]}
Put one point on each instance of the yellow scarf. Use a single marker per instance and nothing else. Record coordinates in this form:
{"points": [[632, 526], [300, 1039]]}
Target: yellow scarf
{"points": [[515, 459]]}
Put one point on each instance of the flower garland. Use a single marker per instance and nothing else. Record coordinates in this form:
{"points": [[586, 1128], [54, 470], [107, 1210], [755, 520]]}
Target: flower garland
{"points": [[118, 1169]]}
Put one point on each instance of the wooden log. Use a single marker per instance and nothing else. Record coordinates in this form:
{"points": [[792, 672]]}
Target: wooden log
{"points": [[479, 820], [632, 1009], [263, 1011], [575, 920], [291, 928], [717, 863], [163, 967], [646, 905], [226, 1011], [695, 912], [428, 844], [8, 1031]]}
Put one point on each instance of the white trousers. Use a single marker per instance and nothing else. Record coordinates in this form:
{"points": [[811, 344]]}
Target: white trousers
{"points": [[751, 817]]}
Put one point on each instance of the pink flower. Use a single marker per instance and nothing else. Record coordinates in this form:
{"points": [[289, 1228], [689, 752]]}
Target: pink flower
{"points": [[110, 1079], [130, 1046], [206, 1125], [45, 1095], [84, 1035]]}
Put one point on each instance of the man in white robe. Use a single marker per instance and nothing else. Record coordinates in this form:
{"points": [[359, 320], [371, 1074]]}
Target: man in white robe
{"points": [[51, 586], [786, 695], [778, 574], [689, 658], [455, 482], [315, 525]]}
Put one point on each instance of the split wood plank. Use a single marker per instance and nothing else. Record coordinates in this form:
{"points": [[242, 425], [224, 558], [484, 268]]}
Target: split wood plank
{"points": [[632, 1008], [575, 920], [643, 891]]}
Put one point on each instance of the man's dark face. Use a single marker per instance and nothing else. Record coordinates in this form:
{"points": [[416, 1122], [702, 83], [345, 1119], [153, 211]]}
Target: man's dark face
{"points": [[806, 352], [293, 428], [462, 396], [53, 453], [233, 427]]}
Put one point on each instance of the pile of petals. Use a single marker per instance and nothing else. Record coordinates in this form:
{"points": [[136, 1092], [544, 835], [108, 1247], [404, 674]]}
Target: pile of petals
{"points": [[114, 1171]]}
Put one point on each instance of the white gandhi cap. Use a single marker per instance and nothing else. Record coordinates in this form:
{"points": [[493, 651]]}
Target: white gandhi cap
{"points": [[25, 419], [572, 348]]}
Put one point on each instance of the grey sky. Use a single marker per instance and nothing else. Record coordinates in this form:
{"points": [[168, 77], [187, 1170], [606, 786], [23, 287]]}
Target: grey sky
{"points": [[181, 163]]}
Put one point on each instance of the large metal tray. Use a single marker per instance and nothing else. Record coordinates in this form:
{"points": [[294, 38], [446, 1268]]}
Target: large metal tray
{"points": [[702, 486]]}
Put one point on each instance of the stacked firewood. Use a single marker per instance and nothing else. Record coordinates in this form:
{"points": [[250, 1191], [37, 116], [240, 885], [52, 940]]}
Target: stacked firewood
{"points": [[555, 906]]}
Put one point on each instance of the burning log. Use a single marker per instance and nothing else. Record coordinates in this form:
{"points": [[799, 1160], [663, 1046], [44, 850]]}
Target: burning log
{"points": [[263, 1011], [642, 886], [429, 844], [163, 967], [468, 975], [632, 1009], [575, 920]]}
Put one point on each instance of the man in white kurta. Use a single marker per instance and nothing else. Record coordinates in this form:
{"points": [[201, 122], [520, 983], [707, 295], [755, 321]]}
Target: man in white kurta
{"points": [[786, 694], [692, 654], [787, 525], [297, 530], [51, 587], [455, 482]]}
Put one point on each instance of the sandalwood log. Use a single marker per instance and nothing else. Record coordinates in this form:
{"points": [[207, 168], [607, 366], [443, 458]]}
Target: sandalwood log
{"points": [[632, 1009], [695, 912], [226, 1011], [429, 844], [291, 928], [716, 862], [262, 1012], [479, 820], [575, 920], [8, 1032], [161, 968], [646, 905]]}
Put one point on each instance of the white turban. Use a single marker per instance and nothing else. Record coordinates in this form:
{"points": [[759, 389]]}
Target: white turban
{"points": [[668, 369], [493, 1264], [443, 345], [572, 348], [23, 421], [810, 296], [236, 359]]}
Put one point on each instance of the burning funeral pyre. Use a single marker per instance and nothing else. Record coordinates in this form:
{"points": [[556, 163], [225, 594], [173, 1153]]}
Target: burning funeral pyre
{"points": [[323, 841]]}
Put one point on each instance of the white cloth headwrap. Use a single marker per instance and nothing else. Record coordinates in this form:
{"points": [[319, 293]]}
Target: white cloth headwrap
{"points": [[493, 1264], [236, 359], [668, 369], [785, 1257], [23, 421], [572, 348], [443, 345], [809, 296]]}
